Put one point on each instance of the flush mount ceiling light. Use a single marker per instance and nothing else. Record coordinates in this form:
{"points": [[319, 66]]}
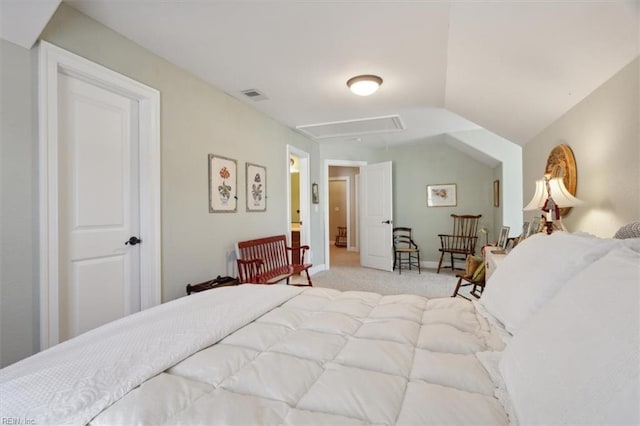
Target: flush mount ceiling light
{"points": [[364, 85]]}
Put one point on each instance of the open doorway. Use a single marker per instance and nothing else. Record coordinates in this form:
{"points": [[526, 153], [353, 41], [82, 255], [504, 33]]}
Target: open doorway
{"points": [[342, 188], [339, 210], [343, 251], [298, 201]]}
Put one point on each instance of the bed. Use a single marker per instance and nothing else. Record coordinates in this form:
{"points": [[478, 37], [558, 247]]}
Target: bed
{"points": [[553, 340]]}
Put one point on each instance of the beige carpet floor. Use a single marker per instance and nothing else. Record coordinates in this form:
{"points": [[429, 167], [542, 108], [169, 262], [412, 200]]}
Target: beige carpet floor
{"points": [[345, 273]]}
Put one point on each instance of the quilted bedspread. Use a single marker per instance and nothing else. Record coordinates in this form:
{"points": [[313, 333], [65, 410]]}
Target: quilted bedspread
{"points": [[330, 357], [72, 382]]}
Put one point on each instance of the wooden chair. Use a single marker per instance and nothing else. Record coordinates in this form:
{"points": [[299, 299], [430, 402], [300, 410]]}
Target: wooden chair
{"points": [[463, 280], [474, 275], [462, 242], [341, 237], [403, 245]]}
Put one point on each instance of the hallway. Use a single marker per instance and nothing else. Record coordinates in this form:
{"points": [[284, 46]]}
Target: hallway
{"points": [[340, 257]]}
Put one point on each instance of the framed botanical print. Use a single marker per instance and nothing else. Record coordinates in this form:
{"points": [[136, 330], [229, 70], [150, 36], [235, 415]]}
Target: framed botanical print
{"points": [[442, 195], [256, 187], [223, 178]]}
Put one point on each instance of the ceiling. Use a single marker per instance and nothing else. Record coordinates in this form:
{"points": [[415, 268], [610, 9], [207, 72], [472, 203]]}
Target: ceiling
{"points": [[22, 21], [511, 67]]}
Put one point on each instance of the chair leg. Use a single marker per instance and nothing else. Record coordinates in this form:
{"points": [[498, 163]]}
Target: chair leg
{"points": [[440, 263], [452, 262], [455, 292], [419, 272], [308, 278], [478, 288]]}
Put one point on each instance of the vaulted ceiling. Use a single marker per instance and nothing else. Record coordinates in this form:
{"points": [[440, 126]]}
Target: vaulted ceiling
{"points": [[511, 67]]}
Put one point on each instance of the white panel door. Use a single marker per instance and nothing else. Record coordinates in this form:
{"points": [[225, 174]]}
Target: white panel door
{"points": [[99, 275], [376, 216]]}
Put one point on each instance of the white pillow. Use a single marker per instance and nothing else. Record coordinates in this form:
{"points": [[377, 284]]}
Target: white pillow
{"points": [[577, 360], [535, 270]]}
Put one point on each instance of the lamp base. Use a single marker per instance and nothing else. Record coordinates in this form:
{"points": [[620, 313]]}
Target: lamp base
{"points": [[554, 225]]}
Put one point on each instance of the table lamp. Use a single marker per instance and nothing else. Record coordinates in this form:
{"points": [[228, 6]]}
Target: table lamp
{"points": [[551, 195]]}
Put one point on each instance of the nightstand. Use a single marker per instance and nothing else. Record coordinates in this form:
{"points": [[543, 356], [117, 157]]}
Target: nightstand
{"points": [[492, 259]]}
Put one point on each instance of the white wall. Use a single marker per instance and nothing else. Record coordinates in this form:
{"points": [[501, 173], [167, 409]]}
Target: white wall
{"points": [[603, 131]]}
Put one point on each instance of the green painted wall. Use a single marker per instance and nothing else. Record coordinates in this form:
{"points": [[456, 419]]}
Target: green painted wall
{"points": [[418, 165], [19, 290]]}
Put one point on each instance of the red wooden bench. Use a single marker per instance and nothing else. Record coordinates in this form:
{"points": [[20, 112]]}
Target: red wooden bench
{"points": [[267, 261]]}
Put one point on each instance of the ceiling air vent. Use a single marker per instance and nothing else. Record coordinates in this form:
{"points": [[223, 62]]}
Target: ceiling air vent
{"points": [[361, 126], [254, 95]]}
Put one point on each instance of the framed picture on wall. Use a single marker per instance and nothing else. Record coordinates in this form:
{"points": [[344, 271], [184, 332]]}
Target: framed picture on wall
{"points": [[442, 195], [496, 193], [223, 178], [315, 194], [256, 178]]}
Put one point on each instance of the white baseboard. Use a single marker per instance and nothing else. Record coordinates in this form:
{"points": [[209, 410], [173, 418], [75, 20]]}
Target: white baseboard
{"points": [[317, 268], [434, 265]]}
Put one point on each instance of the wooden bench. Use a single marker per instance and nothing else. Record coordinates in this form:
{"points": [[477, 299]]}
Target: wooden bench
{"points": [[267, 261]]}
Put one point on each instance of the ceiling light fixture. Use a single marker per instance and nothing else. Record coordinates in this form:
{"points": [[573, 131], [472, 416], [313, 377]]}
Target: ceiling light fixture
{"points": [[364, 85]]}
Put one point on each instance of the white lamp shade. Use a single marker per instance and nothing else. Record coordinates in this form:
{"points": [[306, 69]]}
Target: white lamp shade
{"points": [[560, 194], [539, 197]]}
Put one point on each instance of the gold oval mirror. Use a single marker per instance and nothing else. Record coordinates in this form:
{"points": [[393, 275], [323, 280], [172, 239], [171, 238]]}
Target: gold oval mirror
{"points": [[562, 163]]}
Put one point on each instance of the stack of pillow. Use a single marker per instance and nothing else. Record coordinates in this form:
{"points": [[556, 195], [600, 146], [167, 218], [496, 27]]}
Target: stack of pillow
{"points": [[571, 304]]}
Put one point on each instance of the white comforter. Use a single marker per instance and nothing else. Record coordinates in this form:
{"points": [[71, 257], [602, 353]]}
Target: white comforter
{"points": [[313, 356], [72, 382]]}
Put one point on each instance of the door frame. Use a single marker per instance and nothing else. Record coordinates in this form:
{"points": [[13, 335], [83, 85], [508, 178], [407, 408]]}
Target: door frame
{"points": [[305, 198], [327, 237], [52, 62]]}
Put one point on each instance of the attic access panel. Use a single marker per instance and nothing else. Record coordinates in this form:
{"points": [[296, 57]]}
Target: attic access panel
{"points": [[360, 126]]}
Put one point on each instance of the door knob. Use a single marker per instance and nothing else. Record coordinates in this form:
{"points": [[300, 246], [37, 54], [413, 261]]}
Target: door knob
{"points": [[133, 241], [386, 221]]}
